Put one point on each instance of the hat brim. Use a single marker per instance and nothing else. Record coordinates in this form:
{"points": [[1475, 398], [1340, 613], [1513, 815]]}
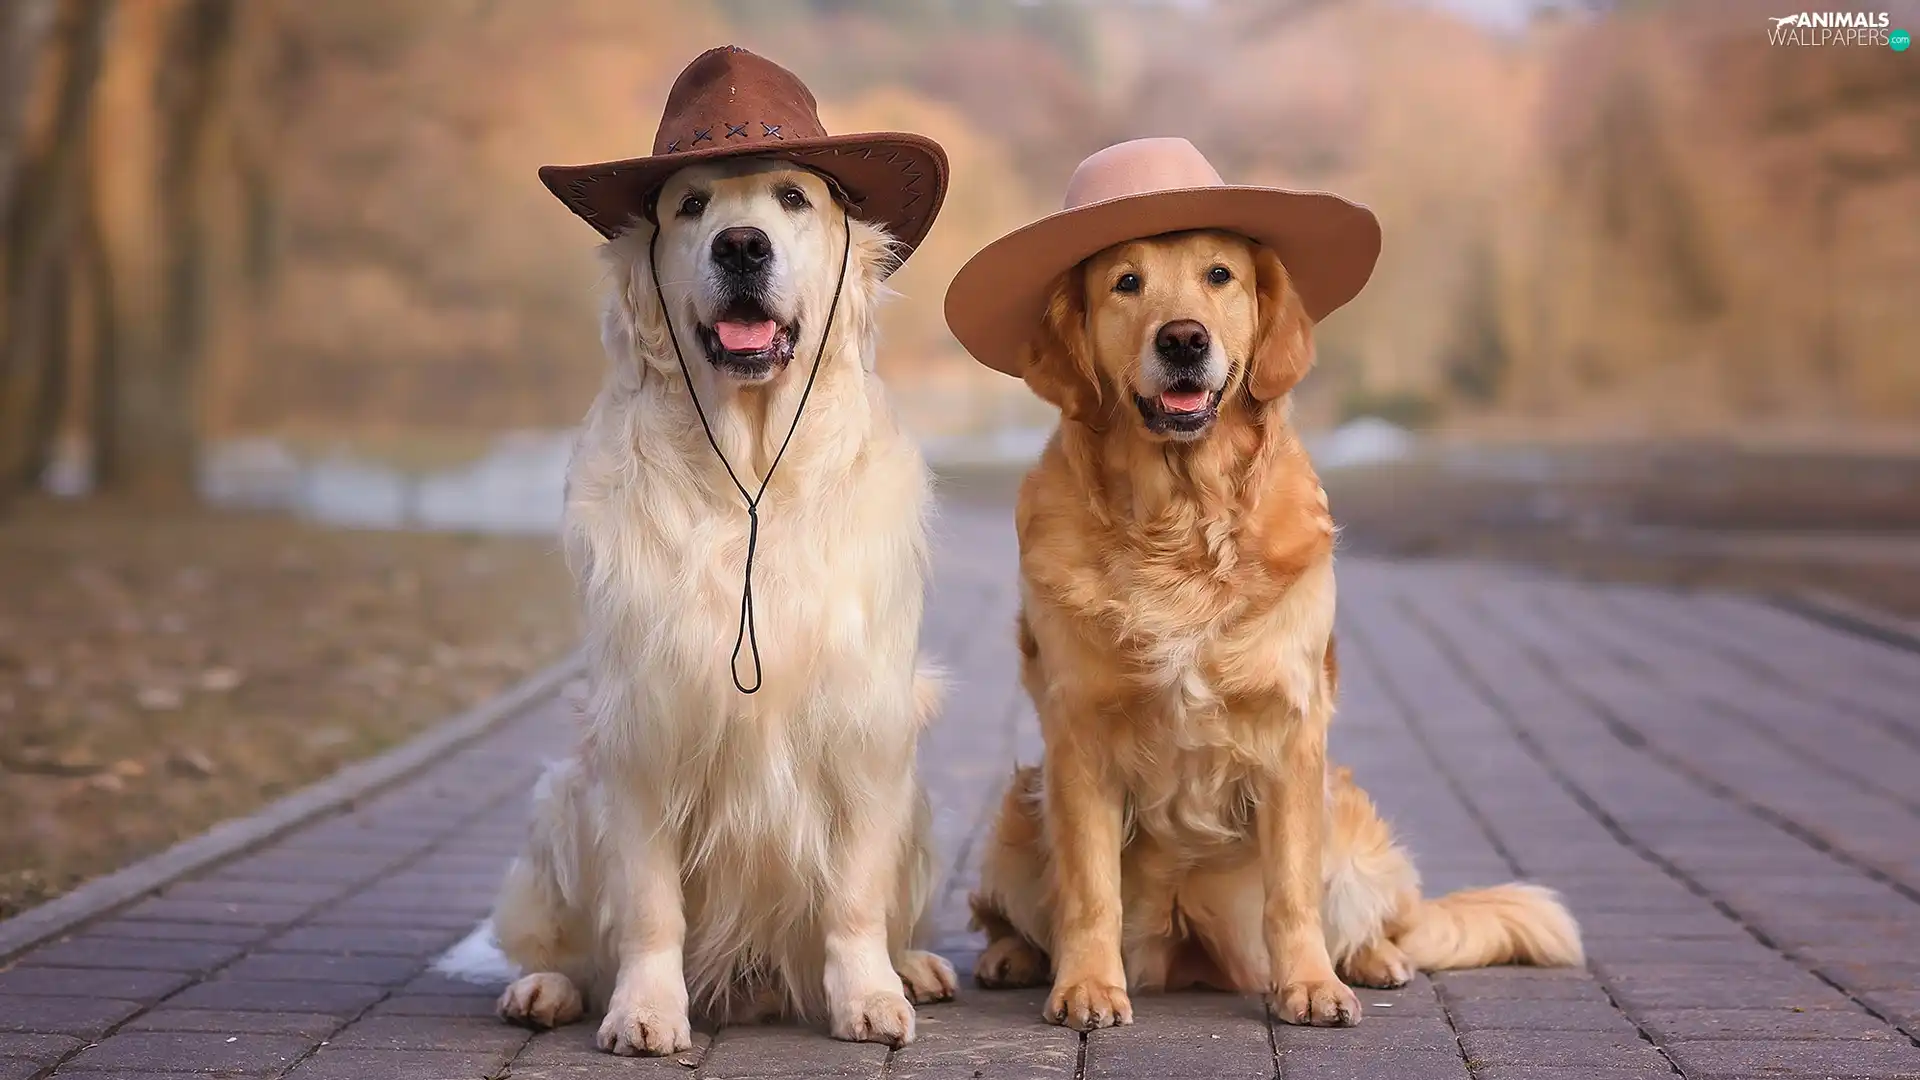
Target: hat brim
{"points": [[896, 180], [1328, 245]]}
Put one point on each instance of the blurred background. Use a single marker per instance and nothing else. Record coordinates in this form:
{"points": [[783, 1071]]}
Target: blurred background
{"points": [[291, 336]]}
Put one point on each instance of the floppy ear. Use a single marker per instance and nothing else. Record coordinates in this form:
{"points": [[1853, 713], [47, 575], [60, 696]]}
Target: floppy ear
{"points": [[633, 328], [1058, 361], [1283, 343]]}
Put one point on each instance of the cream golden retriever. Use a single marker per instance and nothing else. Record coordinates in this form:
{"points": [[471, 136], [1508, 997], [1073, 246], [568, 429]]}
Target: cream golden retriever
{"points": [[1176, 559], [742, 855]]}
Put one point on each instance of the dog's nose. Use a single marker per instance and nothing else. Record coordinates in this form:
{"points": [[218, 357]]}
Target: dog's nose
{"points": [[742, 250], [1182, 342]]}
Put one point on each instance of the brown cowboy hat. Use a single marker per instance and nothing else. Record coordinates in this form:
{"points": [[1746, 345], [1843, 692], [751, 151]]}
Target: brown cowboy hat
{"points": [[732, 103], [1144, 188]]}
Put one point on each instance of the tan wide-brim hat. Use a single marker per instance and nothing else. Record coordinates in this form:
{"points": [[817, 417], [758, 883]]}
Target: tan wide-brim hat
{"points": [[733, 103], [1145, 188]]}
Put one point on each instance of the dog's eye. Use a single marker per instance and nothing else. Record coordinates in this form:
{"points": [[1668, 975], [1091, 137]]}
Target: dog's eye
{"points": [[1219, 275], [1128, 283], [794, 199], [693, 204]]}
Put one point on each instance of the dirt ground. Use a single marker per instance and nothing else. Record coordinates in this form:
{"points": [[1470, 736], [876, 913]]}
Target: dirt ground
{"points": [[161, 674]]}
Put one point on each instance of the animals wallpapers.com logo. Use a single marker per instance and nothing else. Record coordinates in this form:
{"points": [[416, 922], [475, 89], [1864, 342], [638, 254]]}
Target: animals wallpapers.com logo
{"points": [[1813, 28]]}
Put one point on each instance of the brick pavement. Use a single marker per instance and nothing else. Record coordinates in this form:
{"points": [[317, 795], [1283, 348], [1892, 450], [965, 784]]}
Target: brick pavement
{"points": [[1726, 793]]}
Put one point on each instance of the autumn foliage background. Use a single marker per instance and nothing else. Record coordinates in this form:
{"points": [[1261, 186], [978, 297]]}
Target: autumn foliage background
{"points": [[322, 220]]}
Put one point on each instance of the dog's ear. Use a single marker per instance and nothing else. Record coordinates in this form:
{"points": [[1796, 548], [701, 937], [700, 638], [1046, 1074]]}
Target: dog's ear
{"points": [[1058, 360], [1283, 340], [633, 328]]}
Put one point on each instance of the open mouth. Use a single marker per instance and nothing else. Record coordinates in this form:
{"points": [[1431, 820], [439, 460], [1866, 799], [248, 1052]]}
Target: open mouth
{"points": [[747, 344], [1183, 409]]}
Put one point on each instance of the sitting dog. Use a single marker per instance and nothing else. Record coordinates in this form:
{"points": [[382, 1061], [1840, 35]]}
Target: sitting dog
{"points": [[1176, 626], [740, 831]]}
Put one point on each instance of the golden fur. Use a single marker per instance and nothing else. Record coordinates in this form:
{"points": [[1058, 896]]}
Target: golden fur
{"points": [[1184, 827], [744, 855]]}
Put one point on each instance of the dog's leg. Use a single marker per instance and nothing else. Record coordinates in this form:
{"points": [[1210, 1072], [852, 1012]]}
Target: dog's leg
{"points": [[648, 1012], [1291, 817], [1083, 819], [1011, 905], [865, 997]]}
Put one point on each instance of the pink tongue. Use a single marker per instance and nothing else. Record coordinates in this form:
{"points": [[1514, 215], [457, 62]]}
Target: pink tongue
{"points": [[1181, 401], [745, 337]]}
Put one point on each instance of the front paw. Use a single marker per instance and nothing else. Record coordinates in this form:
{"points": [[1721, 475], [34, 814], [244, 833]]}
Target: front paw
{"points": [[880, 1017], [544, 999], [926, 977], [1085, 1004], [644, 1030], [1315, 1002]]}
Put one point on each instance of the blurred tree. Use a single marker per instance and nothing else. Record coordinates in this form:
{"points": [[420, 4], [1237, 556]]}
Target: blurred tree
{"points": [[46, 186], [147, 405]]}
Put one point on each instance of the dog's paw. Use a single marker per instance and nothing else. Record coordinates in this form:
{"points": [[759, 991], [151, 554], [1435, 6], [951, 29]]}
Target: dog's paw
{"points": [[544, 999], [1316, 1003], [1010, 963], [644, 1031], [1379, 965], [926, 977], [1087, 1004], [880, 1017]]}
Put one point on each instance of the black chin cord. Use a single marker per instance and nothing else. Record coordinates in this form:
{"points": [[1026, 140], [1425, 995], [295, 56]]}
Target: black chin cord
{"points": [[747, 636]]}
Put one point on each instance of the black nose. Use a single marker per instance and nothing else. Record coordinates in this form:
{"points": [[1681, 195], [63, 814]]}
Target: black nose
{"points": [[1182, 342], [742, 251]]}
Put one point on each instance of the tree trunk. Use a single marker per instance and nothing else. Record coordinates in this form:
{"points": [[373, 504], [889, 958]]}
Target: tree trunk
{"points": [[24, 27], [48, 200], [149, 410]]}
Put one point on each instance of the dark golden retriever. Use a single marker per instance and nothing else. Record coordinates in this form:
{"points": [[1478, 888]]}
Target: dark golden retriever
{"points": [[1177, 579]]}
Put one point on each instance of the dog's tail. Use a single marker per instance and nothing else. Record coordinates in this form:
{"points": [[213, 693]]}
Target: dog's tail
{"points": [[477, 959], [1505, 924]]}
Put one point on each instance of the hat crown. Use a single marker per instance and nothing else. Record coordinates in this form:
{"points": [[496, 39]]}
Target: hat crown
{"points": [[731, 97], [1139, 167]]}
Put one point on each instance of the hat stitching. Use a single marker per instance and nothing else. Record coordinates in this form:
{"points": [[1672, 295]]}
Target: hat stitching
{"points": [[773, 130], [673, 147], [739, 129], [705, 134]]}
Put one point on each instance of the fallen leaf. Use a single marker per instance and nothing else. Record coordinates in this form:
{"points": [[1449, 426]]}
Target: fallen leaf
{"points": [[158, 698], [190, 761]]}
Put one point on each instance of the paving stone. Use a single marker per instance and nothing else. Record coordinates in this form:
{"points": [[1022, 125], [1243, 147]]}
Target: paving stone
{"points": [[1519, 1014], [1569, 1073], [1183, 1036], [172, 1051], [92, 982], [126, 954], [228, 891], [337, 1063], [82, 1017], [1578, 1072], [317, 967], [364, 941], [1831, 1060], [1559, 1048], [987, 1032], [232, 1022], [156, 930], [1668, 1025], [20, 1068], [44, 1049], [431, 1033], [261, 913], [254, 995], [1327, 1063], [749, 1053], [470, 1005]]}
